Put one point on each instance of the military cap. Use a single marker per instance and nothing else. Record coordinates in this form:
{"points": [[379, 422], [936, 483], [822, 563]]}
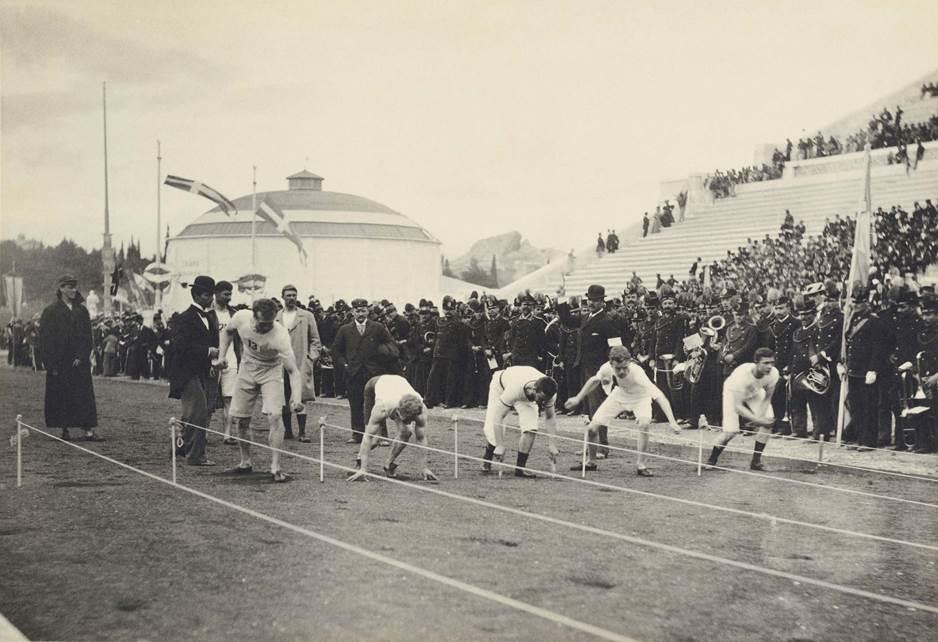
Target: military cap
{"points": [[67, 279], [223, 286], [930, 303], [359, 303], [907, 297]]}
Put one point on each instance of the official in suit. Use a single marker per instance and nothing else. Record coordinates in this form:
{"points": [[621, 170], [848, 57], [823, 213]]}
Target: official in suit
{"points": [[364, 349], [596, 335], [304, 339], [195, 345]]}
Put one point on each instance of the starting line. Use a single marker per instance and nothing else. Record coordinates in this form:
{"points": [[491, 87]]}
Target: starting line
{"points": [[546, 614]]}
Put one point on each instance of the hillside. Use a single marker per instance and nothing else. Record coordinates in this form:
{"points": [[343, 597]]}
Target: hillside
{"points": [[514, 257]]}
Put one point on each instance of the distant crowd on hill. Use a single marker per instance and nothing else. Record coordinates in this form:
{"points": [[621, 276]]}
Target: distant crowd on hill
{"points": [[929, 89], [885, 129]]}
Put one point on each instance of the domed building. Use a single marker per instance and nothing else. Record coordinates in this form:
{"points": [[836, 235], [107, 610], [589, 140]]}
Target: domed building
{"points": [[355, 247]]}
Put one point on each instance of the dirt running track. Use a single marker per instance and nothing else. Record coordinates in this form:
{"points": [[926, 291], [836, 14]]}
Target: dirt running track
{"points": [[89, 550]]}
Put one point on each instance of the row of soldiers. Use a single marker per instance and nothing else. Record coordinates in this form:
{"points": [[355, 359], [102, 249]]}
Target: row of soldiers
{"points": [[449, 355]]}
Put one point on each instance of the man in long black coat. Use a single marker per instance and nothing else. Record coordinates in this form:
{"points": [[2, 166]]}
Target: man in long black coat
{"points": [[195, 345], [597, 334], [66, 343]]}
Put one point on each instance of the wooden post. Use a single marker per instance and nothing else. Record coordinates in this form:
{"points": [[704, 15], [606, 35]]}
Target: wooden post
{"points": [[19, 451], [172, 444], [322, 449], [455, 447]]}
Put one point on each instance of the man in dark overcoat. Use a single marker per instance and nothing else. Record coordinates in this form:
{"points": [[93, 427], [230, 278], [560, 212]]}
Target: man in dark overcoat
{"points": [[195, 345], [66, 343]]}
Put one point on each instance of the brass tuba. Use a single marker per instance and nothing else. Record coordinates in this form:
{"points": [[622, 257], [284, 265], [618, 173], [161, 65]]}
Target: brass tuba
{"points": [[816, 379], [716, 323]]}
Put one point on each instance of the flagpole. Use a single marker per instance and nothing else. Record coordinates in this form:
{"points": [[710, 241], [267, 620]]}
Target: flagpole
{"points": [[107, 252], [859, 272], [253, 230], [159, 158]]}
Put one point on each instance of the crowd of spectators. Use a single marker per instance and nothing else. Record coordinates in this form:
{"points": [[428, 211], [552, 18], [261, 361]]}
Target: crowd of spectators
{"points": [[723, 183], [929, 89], [904, 244], [885, 129]]}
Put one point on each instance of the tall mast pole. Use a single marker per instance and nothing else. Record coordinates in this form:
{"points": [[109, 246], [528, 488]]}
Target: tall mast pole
{"points": [[107, 252], [253, 228], [159, 244]]}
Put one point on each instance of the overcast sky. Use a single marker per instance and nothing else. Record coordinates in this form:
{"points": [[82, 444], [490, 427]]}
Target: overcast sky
{"points": [[473, 118]]}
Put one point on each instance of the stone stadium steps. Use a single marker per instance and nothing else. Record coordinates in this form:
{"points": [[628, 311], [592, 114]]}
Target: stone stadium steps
{"points": [[757, 210]]}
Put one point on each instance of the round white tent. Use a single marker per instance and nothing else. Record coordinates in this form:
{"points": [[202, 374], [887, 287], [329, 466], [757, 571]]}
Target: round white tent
{"points": [[354, 247]]}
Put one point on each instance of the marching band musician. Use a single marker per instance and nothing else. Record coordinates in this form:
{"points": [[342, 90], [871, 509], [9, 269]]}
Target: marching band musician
{"points": [[803, 358], [780, 331], [865, 358], [830, 324], [926, 438], [496, 329], [670, 330], [645, 333], [705, 391], [740, 341]]}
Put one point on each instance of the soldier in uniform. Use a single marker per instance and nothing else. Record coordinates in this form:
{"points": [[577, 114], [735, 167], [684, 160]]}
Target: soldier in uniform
{"points": [[926, 435], [596, 335], [527, 341], [478, 373], [865, 358], [670, 330], [420, 345], [645, 335], [780, 331], [741, 340], [450, 355], [903, 323], [568, 331]]}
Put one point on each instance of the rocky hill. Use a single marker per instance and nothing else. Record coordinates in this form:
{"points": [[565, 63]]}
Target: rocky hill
{"points": [[514, 257]]}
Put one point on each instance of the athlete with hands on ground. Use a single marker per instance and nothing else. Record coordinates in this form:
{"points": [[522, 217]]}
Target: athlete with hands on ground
{"points": [[392, 397]]}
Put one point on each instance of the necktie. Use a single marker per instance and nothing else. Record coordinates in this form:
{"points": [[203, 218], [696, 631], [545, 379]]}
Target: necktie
{"points": [[361, 329]]}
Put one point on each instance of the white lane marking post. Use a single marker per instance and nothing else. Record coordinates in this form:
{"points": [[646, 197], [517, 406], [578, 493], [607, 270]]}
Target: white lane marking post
{"points": [[19, 451], [172, 445], [322, 448], [700, 432], [820, 450], [455, 447], [586, 432]]}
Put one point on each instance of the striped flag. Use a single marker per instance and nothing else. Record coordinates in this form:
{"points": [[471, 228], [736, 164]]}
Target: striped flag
{"points": [[276, 217], [859, 275], [202, 189]]}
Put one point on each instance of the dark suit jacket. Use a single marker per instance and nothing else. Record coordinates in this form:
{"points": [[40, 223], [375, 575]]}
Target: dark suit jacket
{"points": [[866, 346], [357, 352], [592, 339], [190, 343]]}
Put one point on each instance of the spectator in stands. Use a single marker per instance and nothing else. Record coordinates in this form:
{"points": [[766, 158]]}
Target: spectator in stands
{"points": [[600, 245], [645, 224]]}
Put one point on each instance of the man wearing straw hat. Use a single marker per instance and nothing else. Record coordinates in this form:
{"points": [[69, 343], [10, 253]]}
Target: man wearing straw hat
{"points": [[266, 354], [392, 397], [628, 388]]}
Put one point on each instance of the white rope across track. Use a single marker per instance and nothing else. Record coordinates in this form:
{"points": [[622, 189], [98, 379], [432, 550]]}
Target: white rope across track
{"points": [[677, 550], [750, 473], [589, 482], [733, 449], [504, 600]]}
